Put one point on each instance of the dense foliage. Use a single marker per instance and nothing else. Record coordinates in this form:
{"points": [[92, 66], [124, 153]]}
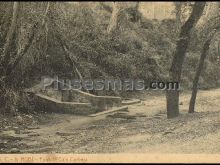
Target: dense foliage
{"points": [[139, 49]]}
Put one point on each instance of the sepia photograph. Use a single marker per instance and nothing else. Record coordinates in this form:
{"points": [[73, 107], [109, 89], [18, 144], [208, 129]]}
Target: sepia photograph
{"points": [[110, 81]]}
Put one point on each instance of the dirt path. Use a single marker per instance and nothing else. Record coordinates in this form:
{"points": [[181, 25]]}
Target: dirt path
{"points": [[144, 128]]}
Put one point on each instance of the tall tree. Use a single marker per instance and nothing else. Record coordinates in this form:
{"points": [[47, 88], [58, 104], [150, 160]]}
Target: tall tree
{"points": [[214, 23], [178, 59], [198, 73]]}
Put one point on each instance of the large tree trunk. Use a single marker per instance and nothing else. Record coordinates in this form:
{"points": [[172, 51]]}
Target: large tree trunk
{"points": [[6, 105], [113, 23], [9, 38], [178, 59], [17, 60], [198, 73]]}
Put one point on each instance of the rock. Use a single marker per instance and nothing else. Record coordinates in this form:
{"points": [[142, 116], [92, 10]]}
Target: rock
{"points": [[19, 119], [15, 150]]}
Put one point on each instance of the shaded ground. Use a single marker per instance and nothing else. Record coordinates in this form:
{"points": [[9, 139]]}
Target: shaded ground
{"points": [[144, 128]]}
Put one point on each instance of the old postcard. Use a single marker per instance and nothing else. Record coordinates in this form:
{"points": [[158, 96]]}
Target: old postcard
{"points": [[110, 81]]}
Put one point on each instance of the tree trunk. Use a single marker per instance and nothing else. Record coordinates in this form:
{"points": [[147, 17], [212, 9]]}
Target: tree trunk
{"points": [[172, 103], [12, 66], [178, 59], [198, 73], [9, 38], [113, 23], [137, 14], [178, 12]]}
